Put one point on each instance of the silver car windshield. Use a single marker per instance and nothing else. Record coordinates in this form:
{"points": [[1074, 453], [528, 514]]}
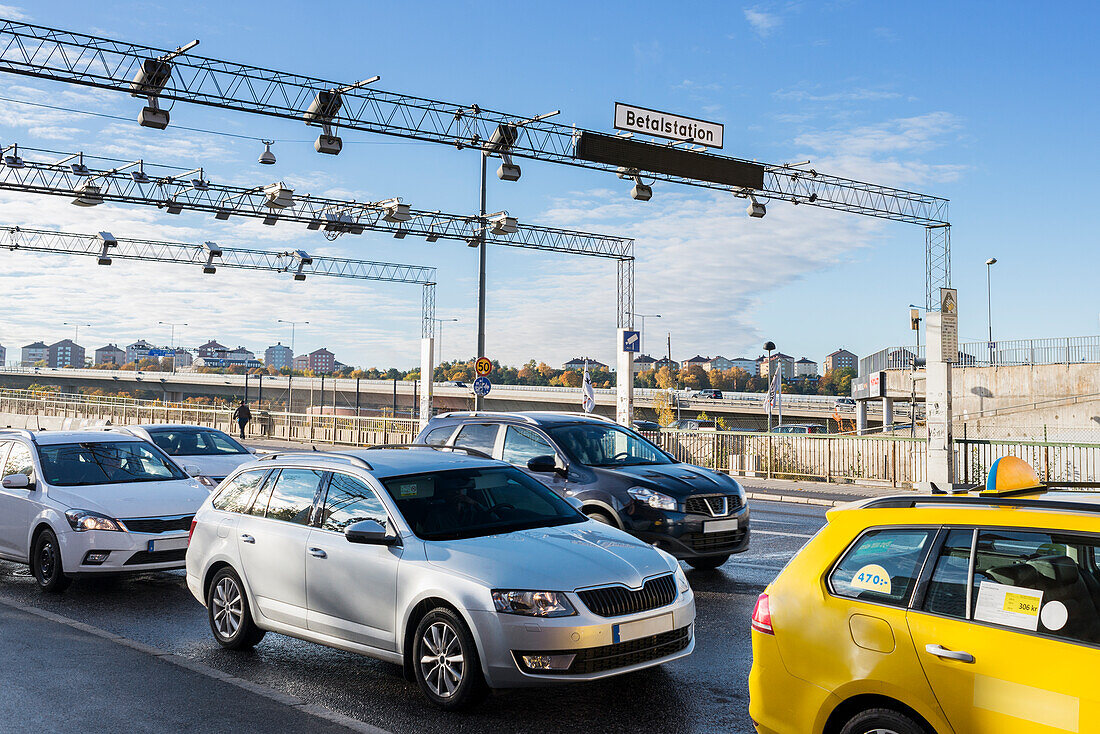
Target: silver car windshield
{"points": [[470, 503], [599, 444], [105, 462]]}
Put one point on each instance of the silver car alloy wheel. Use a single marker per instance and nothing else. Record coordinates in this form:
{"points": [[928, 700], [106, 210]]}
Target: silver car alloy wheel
{"points": [[441, 661], [228, 607]]}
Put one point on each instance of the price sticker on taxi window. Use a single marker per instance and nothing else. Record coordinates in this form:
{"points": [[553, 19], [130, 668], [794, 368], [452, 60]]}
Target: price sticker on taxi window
{"points": [[1012, 606], [872, 577]]}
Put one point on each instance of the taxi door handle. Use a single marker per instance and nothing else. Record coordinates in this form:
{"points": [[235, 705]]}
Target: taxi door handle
{"points": [[317, 553], [942, 652], [245, 538]]}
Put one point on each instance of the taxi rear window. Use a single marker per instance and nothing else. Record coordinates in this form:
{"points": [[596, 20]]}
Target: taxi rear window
{"points": [[882, 565]]}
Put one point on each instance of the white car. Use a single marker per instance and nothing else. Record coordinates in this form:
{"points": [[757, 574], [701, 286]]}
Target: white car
{"points": [[466, 571], [215, 454], [76, 503]]}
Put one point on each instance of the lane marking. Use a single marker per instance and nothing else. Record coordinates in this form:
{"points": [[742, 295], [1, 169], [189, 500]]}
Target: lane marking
{"points": [[754, 531], [194, 666]]}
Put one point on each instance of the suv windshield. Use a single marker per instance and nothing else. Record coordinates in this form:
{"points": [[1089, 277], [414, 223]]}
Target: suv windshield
{"points": [[604, 444], [105, 462], [470, 503], [195, 442]]}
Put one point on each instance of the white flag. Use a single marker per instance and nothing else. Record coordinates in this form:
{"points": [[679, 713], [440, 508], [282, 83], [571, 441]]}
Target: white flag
{"points": [[588, 400], [775, 391]]}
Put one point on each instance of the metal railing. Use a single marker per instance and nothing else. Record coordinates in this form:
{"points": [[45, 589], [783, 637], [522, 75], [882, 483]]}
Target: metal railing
{"points": [[69, 411], [1055, 350], [1054, 462]]}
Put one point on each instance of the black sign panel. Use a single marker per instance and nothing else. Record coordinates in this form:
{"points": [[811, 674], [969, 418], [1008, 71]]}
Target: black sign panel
{"points": [[616, 151]]}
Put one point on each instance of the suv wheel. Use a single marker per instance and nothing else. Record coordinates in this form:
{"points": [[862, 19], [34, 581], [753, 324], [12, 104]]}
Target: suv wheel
{"points": [[882, 721], [602, 517], [445, 661], [230, 618], [46, 563], [708, 563]]}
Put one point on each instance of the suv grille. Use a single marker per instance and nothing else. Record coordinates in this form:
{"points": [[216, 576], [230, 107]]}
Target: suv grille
{"points": [[714, 505], [619, 655], [158, 524], [708, 542], [615, 601]]}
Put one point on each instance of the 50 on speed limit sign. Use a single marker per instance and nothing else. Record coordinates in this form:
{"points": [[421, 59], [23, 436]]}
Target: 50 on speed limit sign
{"points": [[483, 366]]}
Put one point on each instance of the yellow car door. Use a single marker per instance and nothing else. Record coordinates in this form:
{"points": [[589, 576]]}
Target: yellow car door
{"points": [[1007, 631]]}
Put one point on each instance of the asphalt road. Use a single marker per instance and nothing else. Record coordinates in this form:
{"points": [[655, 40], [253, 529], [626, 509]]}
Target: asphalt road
{"points": [[706, 692]]}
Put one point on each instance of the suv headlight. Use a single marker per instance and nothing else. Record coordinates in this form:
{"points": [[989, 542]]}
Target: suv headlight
{"points": [[82, 520], [651, 498], [532, 603]]}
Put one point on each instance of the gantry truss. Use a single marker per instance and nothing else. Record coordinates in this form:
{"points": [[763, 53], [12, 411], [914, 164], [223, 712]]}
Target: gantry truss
{"points": [[88, 182], [211, 256], [145, 71]]}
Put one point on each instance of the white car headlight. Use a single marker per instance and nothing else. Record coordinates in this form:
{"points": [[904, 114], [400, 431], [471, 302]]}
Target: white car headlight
{"points": [[206, 481], [83, 520], [532, 603], [653, 499], [681, 579]]}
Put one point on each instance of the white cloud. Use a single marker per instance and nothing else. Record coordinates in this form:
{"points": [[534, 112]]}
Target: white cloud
{"points": [[13, 12], [851, 95], [761, 21]]}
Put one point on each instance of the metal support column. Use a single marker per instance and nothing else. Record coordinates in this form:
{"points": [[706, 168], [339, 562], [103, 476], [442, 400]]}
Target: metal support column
{"points": [[481, 276], [937, 263]]}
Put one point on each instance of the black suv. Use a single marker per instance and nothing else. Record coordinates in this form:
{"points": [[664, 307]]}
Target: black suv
{"points": [[619, 477]]}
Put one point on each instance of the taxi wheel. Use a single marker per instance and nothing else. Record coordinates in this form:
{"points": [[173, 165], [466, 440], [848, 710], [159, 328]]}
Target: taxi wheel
{"points": [[46, 564], [708, 563], [882, 721]]}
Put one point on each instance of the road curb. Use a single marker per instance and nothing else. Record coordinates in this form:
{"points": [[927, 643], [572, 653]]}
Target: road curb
{"points": [[794, 499], [194, 666]]}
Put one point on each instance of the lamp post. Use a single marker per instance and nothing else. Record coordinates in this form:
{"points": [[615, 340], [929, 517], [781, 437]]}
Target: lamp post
{"points": [[289, 385], [76, 330], [441, 322], [769, 347], [989, 302], [643, 317], [292, 325], [172, 340]]}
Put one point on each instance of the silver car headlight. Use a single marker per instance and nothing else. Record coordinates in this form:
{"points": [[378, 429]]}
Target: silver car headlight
{"points": [[532, 603], [83, 520], [681, 579], [653, 499]]}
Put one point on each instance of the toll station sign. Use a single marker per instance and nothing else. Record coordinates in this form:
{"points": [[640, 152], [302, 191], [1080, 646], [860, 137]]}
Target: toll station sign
{"points": [[643, 121]]}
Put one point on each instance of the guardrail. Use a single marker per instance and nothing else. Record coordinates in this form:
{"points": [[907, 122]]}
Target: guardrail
{"points": [[66, 411], [1055, 350]]}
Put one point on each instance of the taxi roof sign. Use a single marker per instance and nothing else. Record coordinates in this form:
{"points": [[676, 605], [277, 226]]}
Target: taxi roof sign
{"points": [[1010, 475]]}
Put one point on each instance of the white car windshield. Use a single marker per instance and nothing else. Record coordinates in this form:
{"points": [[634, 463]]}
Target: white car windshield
{"points": [[600, 444], [105, 462], [469, 503], [195, 442]]}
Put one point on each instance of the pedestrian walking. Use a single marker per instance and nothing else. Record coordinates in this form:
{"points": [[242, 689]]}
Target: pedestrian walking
{"points": [[242, 415]]}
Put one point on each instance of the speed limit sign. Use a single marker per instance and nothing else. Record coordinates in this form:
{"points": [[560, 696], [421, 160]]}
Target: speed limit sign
{"points": [[483, 366]]}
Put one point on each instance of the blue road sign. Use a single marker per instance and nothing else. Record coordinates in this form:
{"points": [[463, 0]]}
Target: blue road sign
{"points": [[482, 386], [632, 341], [160, 352]]}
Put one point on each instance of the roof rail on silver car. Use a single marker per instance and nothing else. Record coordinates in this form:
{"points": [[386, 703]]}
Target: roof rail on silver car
{"points": [[354, 460], [25, 433], [486, 414], [468, 451]]}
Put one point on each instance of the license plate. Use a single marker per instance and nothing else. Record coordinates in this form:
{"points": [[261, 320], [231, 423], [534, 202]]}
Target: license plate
{"points": [[627, 631], [167, 544], [718, 526]]}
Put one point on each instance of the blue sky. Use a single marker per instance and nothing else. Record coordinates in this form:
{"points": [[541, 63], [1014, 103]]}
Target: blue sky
{"points": [[992, 105]]}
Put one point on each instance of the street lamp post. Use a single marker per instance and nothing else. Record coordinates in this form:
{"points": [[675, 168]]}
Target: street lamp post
{"points": [[76, 330], [441, 322], [989, 302], [769, 347], [289, 385], [172, 340], [643, 317]]}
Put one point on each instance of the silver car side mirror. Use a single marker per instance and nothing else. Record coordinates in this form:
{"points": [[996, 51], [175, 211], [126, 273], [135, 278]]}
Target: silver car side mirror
{"points": [[18, 481], [369, 532]]}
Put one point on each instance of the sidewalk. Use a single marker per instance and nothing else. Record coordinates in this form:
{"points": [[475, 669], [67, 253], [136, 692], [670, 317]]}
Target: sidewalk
{"points": [[813, 493], [63, 676]]}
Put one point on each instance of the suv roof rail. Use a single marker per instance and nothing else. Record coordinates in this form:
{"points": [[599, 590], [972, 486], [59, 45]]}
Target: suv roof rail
{"points": [[580, 414], [1033, 503], [355, 460], [24, 432], [485, 414], [467, 451]]}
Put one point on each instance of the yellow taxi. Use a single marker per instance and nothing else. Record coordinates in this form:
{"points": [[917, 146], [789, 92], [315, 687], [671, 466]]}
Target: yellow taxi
{"points": [[944, 614]]}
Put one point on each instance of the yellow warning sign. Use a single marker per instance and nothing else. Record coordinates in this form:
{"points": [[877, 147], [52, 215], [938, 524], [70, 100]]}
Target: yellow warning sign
{"points": [[483, 366]]}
